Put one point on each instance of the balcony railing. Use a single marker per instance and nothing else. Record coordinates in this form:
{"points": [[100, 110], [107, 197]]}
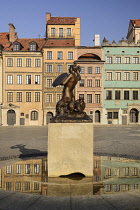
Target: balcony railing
{"points": [[60, 36]]}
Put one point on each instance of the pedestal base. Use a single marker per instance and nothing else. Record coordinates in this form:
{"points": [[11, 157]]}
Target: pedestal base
{"points": [[70, 149]]}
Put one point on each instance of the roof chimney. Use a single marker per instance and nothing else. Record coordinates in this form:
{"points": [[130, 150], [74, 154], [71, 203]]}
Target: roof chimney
{"points": [[97, 40], [48, 16], [13, 34]]}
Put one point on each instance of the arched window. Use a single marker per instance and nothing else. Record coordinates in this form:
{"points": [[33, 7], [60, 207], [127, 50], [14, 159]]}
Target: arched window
{"points": [[34, 115]]}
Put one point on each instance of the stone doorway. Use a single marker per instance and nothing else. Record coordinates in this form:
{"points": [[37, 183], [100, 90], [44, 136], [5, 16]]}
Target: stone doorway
{"points": [[11, 117], [48, 117], [134, 116], [97, 116]]}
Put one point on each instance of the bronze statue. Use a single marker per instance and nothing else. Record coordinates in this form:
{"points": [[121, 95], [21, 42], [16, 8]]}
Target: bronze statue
{"points": [[68, 109]]}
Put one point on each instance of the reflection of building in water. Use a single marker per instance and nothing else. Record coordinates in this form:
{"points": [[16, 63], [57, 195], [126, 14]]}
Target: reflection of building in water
{"points": [[97, 172], [120, 174], [25, 176]]}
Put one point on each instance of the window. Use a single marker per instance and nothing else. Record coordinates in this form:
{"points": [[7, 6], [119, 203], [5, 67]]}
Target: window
{"points": [[9, 79], [117, 95], [109, 76], [134, 171], [60, 55], [49, 55], [28, 62], [70, 55], [96, 164], [27, 168], [49, 98], [135, 95], [135, 76], [16, 46], [18, 186], [59, 96], [37, 96], [36, 186], [135, 186], [109, 60], [90, 70], [49, 83], [8, 169], [89, 98], [126, 75], [33, 46], [108, 171], [118, 59], [19, 62], [18, 169], [68, 31], [96, 178], [34, 115], [89, 83], [37, 79], [49, 68], [109, 115], [28, 79], [19, 96], [108, 188], [19, 79], [81, 83], [81, 96], [126, 171], [10, 97], [9, 62], [61, 32], [117, 75], [82, 71], [36, 168], [135, 59], [97, 98], [127, 60], [108, 94], [28, 96], [27, 186], [97, 83], [8, 186], [126, 95], [125, 187], [37, 62], [112, 115], [97, 70], [116, 187], [53, 31], [59, 68]]}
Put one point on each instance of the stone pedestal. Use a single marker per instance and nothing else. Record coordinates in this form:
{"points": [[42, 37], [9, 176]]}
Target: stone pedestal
{"points": [[70, 149]]}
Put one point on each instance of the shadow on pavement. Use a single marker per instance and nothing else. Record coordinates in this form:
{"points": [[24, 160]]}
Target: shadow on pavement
{"points": [[25, 152]]}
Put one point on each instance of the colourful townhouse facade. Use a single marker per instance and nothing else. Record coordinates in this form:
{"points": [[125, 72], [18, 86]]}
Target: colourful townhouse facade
{"points": [[22, 80], [121, 79], [90, 85], [62, 35]]}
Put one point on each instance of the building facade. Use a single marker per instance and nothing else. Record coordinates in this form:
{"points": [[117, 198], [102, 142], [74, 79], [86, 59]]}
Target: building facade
{"points": [[90, 85], [22, 81], [121, 90], [63, 34]]}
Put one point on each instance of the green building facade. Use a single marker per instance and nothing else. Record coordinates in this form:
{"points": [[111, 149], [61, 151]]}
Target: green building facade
{"points": [[121, 83]]}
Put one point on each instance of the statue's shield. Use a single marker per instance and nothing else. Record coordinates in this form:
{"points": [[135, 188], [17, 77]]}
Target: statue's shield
{"points": [[59, 79]]}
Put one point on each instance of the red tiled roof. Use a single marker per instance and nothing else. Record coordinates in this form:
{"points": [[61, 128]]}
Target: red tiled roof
{"points": [[4, 40], [89, 56], [25, 44], [136, 22], [61, 21], [60, 43]]}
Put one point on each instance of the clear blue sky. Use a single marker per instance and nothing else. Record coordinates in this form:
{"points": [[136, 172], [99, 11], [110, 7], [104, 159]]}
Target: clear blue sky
{"points": [[109, 18]]}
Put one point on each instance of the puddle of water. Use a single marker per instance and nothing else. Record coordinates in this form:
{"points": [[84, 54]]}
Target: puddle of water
{"points": [[110, 175]]}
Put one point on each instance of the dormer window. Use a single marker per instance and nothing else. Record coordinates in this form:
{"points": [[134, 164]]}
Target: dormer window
{"points": [[16, 46], [33, 46]]}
